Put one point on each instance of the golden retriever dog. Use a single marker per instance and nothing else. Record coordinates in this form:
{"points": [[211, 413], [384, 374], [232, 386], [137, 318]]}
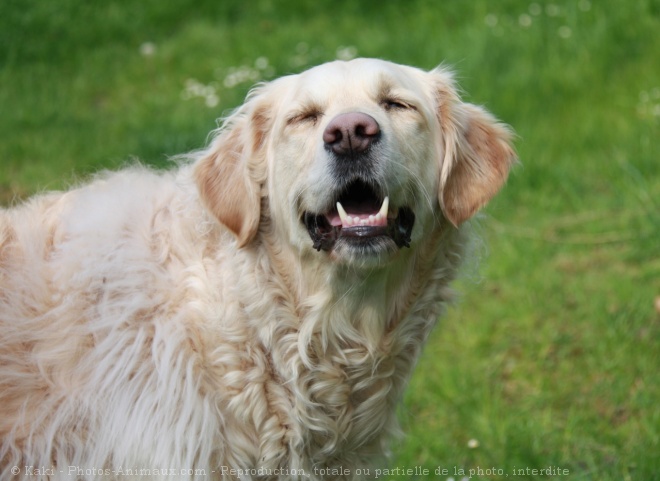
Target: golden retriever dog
{"points": [[256, 312]]}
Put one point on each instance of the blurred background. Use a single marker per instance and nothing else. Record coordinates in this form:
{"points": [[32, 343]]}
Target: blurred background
{"points": [[551, 356]]}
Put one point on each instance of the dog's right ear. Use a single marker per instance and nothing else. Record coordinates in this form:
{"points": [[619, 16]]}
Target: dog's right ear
{"points": [[230, 172]]}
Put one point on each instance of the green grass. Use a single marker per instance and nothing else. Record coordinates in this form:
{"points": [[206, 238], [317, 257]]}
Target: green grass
{"points": [[552, 355]]}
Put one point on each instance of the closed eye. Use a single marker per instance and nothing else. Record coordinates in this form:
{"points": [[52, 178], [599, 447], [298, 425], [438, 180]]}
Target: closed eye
{"points": [[393, 103], [307, 116]]}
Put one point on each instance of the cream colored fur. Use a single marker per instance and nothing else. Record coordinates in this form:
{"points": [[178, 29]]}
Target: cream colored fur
{"points": [[182, 320]]}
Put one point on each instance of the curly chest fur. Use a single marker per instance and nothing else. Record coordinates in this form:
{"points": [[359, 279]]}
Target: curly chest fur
{"points": [[317, 382], [326, 409]]}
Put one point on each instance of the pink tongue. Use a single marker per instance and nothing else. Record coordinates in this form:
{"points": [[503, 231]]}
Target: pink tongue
{"points": [[334, 219]]}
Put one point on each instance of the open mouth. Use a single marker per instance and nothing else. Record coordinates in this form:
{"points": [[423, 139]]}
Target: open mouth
{"points": [[360, 217]]}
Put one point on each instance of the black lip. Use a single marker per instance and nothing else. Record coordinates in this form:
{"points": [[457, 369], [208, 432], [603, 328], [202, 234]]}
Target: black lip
{"points": [[324, 236]]}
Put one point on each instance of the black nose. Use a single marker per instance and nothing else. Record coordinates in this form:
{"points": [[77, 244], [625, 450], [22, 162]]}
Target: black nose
{"points": [[351, 133]]}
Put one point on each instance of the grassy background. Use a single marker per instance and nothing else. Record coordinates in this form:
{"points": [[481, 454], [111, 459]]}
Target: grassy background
{"points": [[552, 356]]}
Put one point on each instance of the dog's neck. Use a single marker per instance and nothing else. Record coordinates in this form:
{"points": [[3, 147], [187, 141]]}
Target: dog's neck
{"points": [[357, 338], [343, 343]]}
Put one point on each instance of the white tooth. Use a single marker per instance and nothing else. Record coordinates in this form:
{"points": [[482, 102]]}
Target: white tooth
{"points": [[384, 208], [345, 218]]}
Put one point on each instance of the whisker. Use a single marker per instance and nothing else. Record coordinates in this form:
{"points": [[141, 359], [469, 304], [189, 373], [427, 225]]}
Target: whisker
{"points": [[423, 190]]}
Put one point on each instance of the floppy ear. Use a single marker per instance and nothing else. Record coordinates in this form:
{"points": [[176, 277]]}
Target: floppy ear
{"points": [[478, 156], [227, 174]]}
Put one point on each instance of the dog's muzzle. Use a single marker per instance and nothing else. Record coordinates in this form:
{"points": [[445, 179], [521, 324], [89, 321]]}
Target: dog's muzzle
{"points": [[360, 215]]}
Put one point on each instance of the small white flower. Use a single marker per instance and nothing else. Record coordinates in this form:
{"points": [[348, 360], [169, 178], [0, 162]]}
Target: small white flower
{"points": [[298, 61], [535, 9], [147, 49], [525, 20], [193, 88], [196, 89], [229, 82], [212, 100], [347, 53], [552, 10], [491, 20], [584, 5], [261, 63], [473, 444]]}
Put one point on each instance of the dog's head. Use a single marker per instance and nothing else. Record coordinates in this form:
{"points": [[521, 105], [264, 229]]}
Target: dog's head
{"points": [[357, 160]]}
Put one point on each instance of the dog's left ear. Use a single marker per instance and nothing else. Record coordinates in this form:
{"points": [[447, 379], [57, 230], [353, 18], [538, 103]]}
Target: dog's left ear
{"points": [[478, 154], [230, 172]]}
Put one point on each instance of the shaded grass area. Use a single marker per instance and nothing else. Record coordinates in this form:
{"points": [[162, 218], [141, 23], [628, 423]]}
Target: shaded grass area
{"points": [[551, 355]]}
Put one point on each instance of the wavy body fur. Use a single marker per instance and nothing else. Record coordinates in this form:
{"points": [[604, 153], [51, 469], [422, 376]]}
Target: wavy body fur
{"points": [[148, 323]]}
